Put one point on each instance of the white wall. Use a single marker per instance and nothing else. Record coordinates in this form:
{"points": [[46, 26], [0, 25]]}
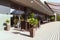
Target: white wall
{"points": [[4, 9], [3, 18], [3, 15]]}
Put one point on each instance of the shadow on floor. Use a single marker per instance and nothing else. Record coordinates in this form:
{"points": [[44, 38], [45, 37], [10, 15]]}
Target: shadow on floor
{"points": [[21, 34]]}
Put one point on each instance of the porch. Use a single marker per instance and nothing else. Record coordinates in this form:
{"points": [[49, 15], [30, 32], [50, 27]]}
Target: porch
{"points": [[49, 31]]}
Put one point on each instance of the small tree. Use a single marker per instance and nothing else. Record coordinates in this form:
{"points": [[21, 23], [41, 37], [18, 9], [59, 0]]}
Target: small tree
{"points": [[32, 20]]}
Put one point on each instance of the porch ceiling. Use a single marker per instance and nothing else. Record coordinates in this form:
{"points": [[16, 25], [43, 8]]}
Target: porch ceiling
{"points": [[34, 4], [54, 6]]}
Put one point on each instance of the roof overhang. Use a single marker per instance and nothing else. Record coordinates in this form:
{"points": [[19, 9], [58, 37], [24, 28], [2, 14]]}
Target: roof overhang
{"points": [[54, 6], [35, 4], [5, 3], [48, 6]]}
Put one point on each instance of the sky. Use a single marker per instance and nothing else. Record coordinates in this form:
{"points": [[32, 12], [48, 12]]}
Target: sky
{"points": [[58, 1]]}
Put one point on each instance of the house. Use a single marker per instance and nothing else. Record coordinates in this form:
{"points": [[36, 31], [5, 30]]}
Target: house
{"points": [[28, 6]]}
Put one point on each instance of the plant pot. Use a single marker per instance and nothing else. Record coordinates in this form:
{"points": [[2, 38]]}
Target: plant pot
{"points": [[32, 32], [7, 27]]}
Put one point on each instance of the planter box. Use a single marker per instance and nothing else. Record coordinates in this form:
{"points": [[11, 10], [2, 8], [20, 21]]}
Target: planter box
{"points": [[32, 32], [7, 27]]}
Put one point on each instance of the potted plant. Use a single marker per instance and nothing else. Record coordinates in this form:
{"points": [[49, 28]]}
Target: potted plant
{"points": [[7, 25], [52, 18], [33, 24]]}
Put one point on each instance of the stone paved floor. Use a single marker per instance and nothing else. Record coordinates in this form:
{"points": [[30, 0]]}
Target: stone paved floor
{"points": [[48, 31]]}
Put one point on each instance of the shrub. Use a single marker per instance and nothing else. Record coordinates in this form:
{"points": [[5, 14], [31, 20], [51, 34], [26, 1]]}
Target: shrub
{"points": [[7, 21], [52, 18], [58, 17], [32, 20]]}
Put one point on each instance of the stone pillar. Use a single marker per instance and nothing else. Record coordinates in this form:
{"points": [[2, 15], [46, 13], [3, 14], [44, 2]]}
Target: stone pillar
{"points": [[55, 16]]}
